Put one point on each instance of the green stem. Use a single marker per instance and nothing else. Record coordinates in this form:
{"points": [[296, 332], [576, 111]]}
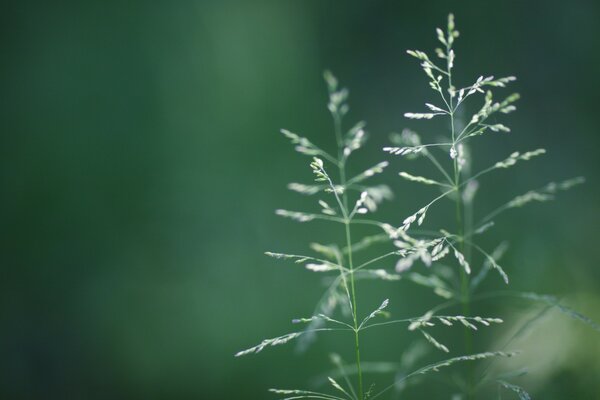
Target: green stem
{"points": [[342, 168], [354, 312], [464, 279]]}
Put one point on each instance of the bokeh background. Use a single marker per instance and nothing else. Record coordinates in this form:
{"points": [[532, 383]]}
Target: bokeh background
{"points": [[141, 164]]}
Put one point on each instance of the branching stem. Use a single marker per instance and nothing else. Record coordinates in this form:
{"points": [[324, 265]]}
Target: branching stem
{"points": [[464, 279], [347, 219]]}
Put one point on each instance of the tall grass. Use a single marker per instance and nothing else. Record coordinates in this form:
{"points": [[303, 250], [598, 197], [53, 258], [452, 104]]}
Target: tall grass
{"points": [[440, 259]]}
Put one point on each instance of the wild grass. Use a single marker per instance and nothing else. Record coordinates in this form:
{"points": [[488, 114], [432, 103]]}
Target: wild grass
{"points": [[445, 260]]}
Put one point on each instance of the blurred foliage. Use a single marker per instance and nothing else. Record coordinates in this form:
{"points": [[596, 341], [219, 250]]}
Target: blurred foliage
{"points": [[141, 164]]}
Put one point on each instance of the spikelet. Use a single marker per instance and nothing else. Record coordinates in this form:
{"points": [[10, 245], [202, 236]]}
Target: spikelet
{"points": [[355, 139], [402, 151], [376, 169], [461, 260], [523, 395], [422, 115], [321, 267], [516, 156], [304, 189], [473, 357], [375, 313], [419, 179], [303, 145], [269, 342], [419, 216], [326, 208], [433, 341], [295, 215]]}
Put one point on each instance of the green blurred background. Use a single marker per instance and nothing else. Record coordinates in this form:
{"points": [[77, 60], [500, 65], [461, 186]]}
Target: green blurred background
{"points": [[141, 164]]}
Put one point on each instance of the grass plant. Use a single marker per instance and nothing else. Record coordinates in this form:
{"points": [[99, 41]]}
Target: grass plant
{"points": [[447, 260]]}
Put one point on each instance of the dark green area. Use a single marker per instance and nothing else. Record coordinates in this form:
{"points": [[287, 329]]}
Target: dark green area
{"points": [[141, 164]]}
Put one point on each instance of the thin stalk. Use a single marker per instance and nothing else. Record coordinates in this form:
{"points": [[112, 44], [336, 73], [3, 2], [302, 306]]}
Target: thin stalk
{"points": [[438, 166], [464, 279], [468, 231], [342, 168], [354, 313]]}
